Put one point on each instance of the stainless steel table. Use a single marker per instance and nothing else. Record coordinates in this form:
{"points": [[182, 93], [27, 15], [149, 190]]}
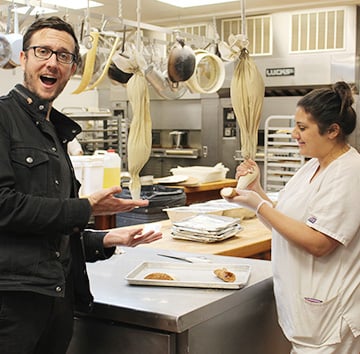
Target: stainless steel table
{"points": [[160, 320]]}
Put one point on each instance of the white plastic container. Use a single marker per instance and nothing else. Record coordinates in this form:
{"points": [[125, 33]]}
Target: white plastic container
{"points": [[89, 170], [93, 174], [112, 167]]}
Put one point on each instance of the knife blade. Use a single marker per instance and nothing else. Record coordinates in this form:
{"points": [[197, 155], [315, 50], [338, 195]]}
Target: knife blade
{"points": [[196, 259]]}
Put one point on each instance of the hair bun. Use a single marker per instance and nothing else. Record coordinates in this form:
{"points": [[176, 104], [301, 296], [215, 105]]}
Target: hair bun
{"points": [[344, 91]]}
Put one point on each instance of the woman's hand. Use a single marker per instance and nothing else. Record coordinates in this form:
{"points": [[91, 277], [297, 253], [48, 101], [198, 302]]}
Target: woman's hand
{"points": [[129, 237], [248, 199], [104, 202], [246, 167]]}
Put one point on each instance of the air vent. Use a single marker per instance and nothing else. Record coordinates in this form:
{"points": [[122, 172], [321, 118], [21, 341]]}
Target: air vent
{"points": [[318, 31], [197, 30], [258, 31]]}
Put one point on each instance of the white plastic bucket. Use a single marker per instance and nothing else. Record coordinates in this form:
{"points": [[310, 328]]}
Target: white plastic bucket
{"points": [[93, 174], [89, 170]]}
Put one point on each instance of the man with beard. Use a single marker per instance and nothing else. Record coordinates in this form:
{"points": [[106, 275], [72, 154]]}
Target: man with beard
{"points": [[43, 240]]}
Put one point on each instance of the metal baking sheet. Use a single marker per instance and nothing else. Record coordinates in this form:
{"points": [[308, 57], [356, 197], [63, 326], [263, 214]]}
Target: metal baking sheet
{"points": [[189, 275]]}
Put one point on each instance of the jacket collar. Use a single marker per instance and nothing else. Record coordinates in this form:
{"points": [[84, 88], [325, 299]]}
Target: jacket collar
{"points": [[37, 108]]}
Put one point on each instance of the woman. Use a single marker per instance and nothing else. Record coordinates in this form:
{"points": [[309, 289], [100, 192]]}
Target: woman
{"points": [[316, 228]]}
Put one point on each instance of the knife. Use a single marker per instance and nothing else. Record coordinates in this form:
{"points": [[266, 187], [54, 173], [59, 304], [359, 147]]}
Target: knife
{"points": [[196, 259]]}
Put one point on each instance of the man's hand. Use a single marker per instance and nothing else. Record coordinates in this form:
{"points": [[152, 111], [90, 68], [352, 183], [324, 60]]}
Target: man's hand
{"points": [[104, 202], [130, 237]]}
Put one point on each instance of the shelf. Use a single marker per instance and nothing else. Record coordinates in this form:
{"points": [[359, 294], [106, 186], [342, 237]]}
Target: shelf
{"points": [[281, 158]]}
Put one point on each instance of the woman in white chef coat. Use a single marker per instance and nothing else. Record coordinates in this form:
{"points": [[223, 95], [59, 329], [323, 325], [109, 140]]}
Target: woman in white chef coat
{"points": [[316, 228]]}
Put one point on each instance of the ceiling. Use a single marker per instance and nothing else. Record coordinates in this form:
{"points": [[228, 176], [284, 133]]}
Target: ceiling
{"points": [[156, 13]]}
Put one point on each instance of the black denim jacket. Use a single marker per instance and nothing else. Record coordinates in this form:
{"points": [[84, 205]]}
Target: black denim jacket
{"points": [[33, 216]]}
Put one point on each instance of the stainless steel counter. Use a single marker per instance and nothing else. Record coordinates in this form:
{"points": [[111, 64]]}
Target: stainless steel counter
{"points": [[146, 319]]}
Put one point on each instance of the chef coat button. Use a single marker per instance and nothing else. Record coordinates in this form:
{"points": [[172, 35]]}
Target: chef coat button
{"points": [[29, 159], [53, 148], [57, 254], [41, 107], [57, 182], [58, 289]]}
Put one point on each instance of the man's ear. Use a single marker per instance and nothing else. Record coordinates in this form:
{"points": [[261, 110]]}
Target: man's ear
{"points": [[23, 58], [73, 69]]}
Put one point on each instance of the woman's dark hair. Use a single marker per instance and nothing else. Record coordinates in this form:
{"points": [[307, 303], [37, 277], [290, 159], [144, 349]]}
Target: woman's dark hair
{"points": [[53, 22], [329, 106]]}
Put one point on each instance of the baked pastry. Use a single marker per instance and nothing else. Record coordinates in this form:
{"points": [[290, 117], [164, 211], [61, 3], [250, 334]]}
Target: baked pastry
{"points": [[228, 192], [159, 276], [225, 275]]}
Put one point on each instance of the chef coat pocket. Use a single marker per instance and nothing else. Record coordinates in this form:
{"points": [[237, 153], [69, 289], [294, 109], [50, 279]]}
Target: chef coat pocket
{"points": [[317, 322], [31, 170]]}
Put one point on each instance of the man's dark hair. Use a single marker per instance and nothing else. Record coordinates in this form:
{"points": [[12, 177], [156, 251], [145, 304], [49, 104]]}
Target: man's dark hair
{"points": [[53, 22]]}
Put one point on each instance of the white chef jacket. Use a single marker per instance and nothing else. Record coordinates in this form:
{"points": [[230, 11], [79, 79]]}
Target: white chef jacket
{"points": [[315, 295]]}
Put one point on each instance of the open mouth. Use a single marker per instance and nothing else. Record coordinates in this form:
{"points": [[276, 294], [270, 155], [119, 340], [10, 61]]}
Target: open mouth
{"points": [[48, 80]]}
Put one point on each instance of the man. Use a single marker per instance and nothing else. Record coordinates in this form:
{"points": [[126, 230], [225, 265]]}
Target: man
{"points": [[43, 244]]}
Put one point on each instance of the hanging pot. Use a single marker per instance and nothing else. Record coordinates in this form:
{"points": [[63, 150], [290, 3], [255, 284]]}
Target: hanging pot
{"points": [[209, 74], [181, 62], [16, 41], [5, 51], [117, 75], [163, 86]]}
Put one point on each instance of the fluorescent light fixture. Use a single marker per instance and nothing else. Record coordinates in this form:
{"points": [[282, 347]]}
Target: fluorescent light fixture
{"points": [[192, 3], [70, 4], [73, 4], [37, 10]]}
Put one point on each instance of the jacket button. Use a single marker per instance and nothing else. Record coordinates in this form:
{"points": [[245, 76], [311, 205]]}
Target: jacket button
{"points": [[57, 182], [58, 289], [53, 148], [57, 254], [29, 159], [41, 107]]}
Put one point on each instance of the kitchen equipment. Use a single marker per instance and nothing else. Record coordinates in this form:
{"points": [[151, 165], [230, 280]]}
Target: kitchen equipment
{"points": [[205, 228], [184, 212], [101, 129], [195, 275], [181, 62], [195, 259], [209, 73], [159, 197], [5, 50], [281, 154], [162, 85], [15, 39], [118, 76], [179, 139], [216, 207]]}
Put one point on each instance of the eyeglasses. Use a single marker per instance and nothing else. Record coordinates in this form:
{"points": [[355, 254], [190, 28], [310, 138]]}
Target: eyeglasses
{"points": [[45, 53]]}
